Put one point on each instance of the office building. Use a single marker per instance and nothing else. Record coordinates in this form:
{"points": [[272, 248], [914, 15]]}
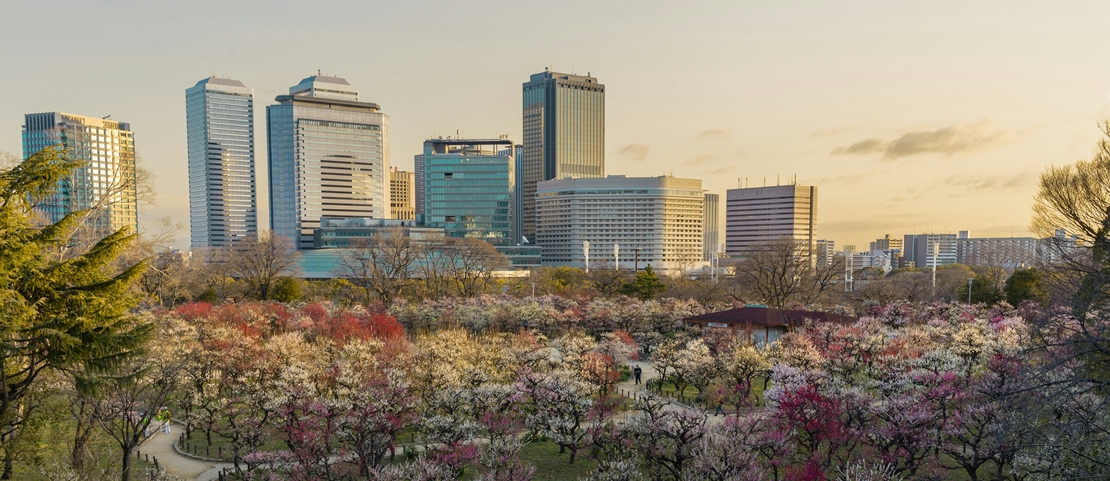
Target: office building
{"points": [[223, 205], [341, 232], [759, 215], [658, 219], [927, 250], [402, 194], [711, 224], [418, 186], [328, 157], [106, 182], [564, 133], [887, 243], [1058, 248], [468, 188], [518, 196], [826, 249]]}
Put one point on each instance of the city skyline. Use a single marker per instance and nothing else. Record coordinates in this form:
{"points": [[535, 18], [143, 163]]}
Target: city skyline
{"points": [[936, 128]]}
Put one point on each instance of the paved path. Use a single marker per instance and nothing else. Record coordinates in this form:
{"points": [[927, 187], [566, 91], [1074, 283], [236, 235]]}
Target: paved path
{"points": [[649, 372], [184, 467]]}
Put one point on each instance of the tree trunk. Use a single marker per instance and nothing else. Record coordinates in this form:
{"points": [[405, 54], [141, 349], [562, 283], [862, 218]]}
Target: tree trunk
{"points": [[125, 472], [7, 464]]}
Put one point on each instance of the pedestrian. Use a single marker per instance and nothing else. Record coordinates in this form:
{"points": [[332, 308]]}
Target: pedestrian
{"points": [[146, 423], [637, 372], [166, 421], [720, 405]]}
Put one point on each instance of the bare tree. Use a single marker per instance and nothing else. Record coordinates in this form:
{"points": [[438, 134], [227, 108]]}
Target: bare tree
{"points": [[782, 271], [606, 281], [382, 264], [261, 259], [469, 264]]}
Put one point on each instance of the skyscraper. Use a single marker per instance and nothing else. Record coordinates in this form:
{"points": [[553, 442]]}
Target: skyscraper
{"points": [[564, 133], [468, 188], [401, 194], [712, 226], [759, 215], [921, 249], [105, 184], [223, 203], [418, 186], [328, 157]]}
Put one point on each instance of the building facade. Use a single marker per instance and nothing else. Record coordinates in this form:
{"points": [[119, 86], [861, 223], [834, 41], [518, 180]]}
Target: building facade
{"points": [[341, 232], [564, 133], [418, 186], [1001, 252], [711, 223], [759, 215], [887, 243], [657, 219], [469, 189], [826, 249], [928, 250], [328, 157], [106, 183], [402, 194], [223, 204]]}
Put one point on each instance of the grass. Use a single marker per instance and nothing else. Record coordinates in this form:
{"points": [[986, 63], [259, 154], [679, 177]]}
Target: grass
{"points": [[550, 465], [690, 394]]}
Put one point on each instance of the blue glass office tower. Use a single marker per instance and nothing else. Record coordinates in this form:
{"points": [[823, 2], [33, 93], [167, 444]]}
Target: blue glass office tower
{"points": [[564, 133], [223, 204], [469, 188], [105, 185], [328, 157]]}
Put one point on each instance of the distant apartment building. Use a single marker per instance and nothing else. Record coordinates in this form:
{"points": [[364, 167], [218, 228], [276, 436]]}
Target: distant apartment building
{"points": [[1060, 246], [712, 223], [105, 183], [927, 250], [469, 189], [402, 194], [759, 215], [223, 204], [657, 219], [887, 243], [564, 133], [328, 157], [1002, 252], [825, 249]]}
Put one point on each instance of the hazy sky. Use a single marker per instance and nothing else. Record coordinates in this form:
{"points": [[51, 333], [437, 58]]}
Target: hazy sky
{"points": [[908, 116]]}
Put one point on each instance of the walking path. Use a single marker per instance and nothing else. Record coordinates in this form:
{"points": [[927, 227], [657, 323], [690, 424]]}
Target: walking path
{"points": [[161, 446], [649, 372]]}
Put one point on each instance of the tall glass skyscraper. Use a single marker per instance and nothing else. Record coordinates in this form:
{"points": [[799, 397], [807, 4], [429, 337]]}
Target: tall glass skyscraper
{"points": [[564, 133], [328, 157], [106, 183], [223, 204], [468, 188]]}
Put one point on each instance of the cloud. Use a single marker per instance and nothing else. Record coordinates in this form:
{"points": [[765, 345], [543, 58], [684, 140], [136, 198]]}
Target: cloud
{"points": [[951, 140], [715, 134], [741, 153], [862, 147], [720, 170], [636, 151], [1020, 180], [833, 131], [702, 159]]}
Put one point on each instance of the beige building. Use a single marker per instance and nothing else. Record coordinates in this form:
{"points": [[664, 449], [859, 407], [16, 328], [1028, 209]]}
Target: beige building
{"points": [[759, 215], [402, 194], [661, 217]]}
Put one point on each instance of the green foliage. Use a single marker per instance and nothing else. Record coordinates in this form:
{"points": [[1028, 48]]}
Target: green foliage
{"points": [[287, 289], [1025, 285], [982, 291], [646, 285], [66, 313]]}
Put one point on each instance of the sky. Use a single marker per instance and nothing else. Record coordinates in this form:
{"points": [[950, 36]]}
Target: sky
{"points": [[909, 117]]}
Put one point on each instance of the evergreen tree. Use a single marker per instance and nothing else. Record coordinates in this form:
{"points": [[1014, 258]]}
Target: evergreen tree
{"points": [[56, 314], [646, 285], [1025, 284]]}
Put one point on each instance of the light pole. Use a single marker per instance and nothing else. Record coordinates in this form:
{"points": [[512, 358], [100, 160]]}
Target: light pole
{"points": [[533, 290], [969, 281], [586, 252], [636, 266], [617, 257]]}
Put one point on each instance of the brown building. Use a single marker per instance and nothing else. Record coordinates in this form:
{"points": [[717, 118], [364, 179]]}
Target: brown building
{"points": [[764, 323]]}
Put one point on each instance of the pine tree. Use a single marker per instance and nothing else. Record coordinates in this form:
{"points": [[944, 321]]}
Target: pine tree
{"points": [[56, 314]]}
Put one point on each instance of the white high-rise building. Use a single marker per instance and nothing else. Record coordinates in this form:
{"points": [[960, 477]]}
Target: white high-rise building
{"points": [[106, 183], [759, 215], [223, 204], [328, 157], [655, 219], [711, 225]]}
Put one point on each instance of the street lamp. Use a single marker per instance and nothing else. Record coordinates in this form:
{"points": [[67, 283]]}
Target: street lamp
{"points": [[617, 256], [969, 281], [586, 252], [533, 290], [636, 266]]}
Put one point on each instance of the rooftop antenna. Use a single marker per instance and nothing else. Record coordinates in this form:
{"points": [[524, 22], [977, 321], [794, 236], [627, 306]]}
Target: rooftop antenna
{"points": [[106, 117]]}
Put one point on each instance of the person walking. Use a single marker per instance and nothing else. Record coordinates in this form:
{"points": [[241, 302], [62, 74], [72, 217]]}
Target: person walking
{"points": [[720, 405], [166, 416], [637, 372]]}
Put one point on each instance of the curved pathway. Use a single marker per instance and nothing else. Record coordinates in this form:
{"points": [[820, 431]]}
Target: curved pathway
{"points": [[161, 445]]}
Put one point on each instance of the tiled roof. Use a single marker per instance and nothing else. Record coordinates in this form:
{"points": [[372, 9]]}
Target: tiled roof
{"points": [[764, 316]]}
